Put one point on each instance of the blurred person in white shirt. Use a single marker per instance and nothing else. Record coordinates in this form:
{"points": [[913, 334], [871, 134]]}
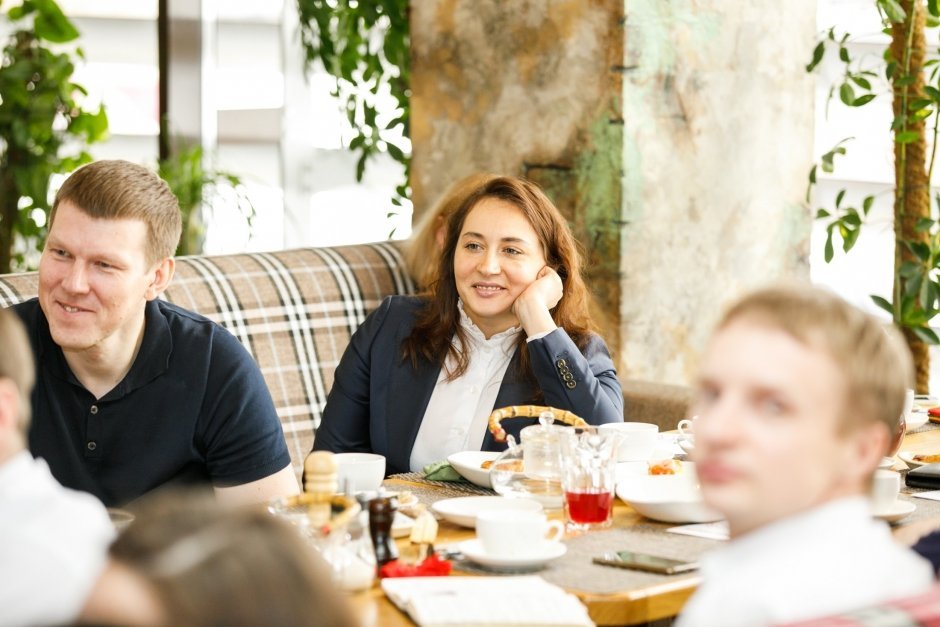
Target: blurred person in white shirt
{"points": [[53, 541], [798, 398]]}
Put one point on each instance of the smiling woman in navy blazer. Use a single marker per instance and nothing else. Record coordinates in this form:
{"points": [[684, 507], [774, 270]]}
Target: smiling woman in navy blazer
{"points": [[506, 323]]}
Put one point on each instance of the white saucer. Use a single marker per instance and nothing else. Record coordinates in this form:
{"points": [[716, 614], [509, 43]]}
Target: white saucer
{"points": [[474, 551], [896, 512], [886, 462]]}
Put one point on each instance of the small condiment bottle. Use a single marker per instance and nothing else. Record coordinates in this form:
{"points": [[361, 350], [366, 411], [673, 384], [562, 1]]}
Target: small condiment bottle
{"points": [[381, 514], [320, 485]]}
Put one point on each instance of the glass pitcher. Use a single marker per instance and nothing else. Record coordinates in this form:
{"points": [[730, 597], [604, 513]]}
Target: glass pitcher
{"points": [[531, 469]]}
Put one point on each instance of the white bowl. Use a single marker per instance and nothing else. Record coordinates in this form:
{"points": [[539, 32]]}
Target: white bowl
{"points": [[669, 498], [468, 464], [464, 510], [363, 471], [916, 419]]}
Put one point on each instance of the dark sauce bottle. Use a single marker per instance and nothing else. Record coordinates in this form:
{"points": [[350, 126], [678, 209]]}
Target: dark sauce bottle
{"points": [[381, 514]]}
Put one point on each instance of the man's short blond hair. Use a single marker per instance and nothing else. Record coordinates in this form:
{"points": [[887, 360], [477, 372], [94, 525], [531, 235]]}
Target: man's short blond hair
{"points": [[118, 189], [873, 358], [16, 361]]}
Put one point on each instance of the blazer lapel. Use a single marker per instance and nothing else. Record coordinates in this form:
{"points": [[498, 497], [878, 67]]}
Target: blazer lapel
{"points": [[408, 396]]}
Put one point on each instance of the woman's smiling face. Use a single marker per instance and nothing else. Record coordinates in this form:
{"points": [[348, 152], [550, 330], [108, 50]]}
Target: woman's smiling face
{"points": [[498, 256]]}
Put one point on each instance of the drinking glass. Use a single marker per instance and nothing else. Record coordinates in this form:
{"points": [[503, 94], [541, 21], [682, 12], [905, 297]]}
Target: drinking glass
{"points": [[588, 464]]}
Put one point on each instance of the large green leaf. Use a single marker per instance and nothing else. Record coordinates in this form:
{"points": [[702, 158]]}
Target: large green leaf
{"points": [[893, 10], [51, 24], [926, 334], [883, 303], [847, 94]]}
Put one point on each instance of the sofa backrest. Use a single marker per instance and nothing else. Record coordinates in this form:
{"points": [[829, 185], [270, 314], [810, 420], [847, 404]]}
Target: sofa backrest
{"points": [[294, 310]]}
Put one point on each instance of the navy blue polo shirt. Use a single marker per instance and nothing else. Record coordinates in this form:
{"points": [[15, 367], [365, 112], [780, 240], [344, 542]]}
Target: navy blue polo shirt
{"points": [[193, 408]]}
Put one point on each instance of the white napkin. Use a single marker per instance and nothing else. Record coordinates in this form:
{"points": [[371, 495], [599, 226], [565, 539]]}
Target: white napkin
{"points": [[717, 530], [457, 601], [933, 495]]}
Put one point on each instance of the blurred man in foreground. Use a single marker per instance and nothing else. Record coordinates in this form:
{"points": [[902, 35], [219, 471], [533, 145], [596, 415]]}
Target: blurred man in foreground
{"points": [[798, 396], [53, 541]]}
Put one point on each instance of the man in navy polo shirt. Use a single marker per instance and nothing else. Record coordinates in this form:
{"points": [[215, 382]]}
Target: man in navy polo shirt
{"points": [[132, 392]]}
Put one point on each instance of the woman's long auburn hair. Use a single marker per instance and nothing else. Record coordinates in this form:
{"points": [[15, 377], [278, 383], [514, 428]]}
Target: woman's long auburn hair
{"points": [[439, 320]]}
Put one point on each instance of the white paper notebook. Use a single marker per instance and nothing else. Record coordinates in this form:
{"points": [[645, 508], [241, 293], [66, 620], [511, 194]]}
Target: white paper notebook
{"points": [[456, 601]]}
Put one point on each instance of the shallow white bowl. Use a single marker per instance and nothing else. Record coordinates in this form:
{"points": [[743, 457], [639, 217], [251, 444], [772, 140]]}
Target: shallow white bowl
{"points": [[464, 510], [467, 463], [669, 498], [916, 419]]}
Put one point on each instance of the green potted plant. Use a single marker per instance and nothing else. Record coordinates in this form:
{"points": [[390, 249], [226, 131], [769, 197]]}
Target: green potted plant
{"points": [[44, 128], [912, 81], [198, 186], [365, 46]]}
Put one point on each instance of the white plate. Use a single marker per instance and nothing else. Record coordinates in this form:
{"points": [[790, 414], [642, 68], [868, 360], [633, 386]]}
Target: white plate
{"points": [[467, 463], [886, 462], [916, 419], [474, 551], [908, 458], [896, 512], [464, 510]]}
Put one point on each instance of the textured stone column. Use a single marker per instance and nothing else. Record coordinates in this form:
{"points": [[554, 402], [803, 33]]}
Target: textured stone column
{"points": [[532, 88], [718, 134]]}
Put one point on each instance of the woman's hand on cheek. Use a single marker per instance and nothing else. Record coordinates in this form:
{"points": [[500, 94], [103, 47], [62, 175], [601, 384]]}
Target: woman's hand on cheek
{"points": [[533, 306]]}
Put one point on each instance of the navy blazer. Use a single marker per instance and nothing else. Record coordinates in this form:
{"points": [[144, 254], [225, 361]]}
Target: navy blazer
{"points": [[378, 399]]}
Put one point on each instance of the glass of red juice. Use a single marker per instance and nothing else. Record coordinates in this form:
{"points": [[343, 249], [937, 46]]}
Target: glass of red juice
{"points": [[588, 464]]}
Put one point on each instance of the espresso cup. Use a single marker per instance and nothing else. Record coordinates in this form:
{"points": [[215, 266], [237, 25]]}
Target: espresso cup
{"points": [[517, 533], [885, 486], [359, 472], [637, 439]]}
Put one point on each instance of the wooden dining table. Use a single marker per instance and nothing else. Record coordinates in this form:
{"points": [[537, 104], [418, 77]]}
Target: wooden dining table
{"points": [[650, 601]]}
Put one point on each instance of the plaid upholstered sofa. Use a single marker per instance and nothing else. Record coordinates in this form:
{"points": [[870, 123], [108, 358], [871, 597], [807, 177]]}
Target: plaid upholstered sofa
{"points": [[295, 311]]}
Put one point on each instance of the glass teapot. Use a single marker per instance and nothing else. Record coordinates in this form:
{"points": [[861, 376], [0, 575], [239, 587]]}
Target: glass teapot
{"points": [[532, 467]]}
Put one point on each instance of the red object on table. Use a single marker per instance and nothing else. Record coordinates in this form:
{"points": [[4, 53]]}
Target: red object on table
{"points": [[933, 414], [433, 566]]}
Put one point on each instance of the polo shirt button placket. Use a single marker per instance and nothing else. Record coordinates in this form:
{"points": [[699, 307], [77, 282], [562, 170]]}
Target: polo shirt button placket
{"points": [[93, 431]]}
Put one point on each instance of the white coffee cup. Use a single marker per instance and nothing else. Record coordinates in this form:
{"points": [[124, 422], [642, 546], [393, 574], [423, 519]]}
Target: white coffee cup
{"points": [[359, 472], [637, 439], [517, 533], [885, 486], [685, 426]]}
